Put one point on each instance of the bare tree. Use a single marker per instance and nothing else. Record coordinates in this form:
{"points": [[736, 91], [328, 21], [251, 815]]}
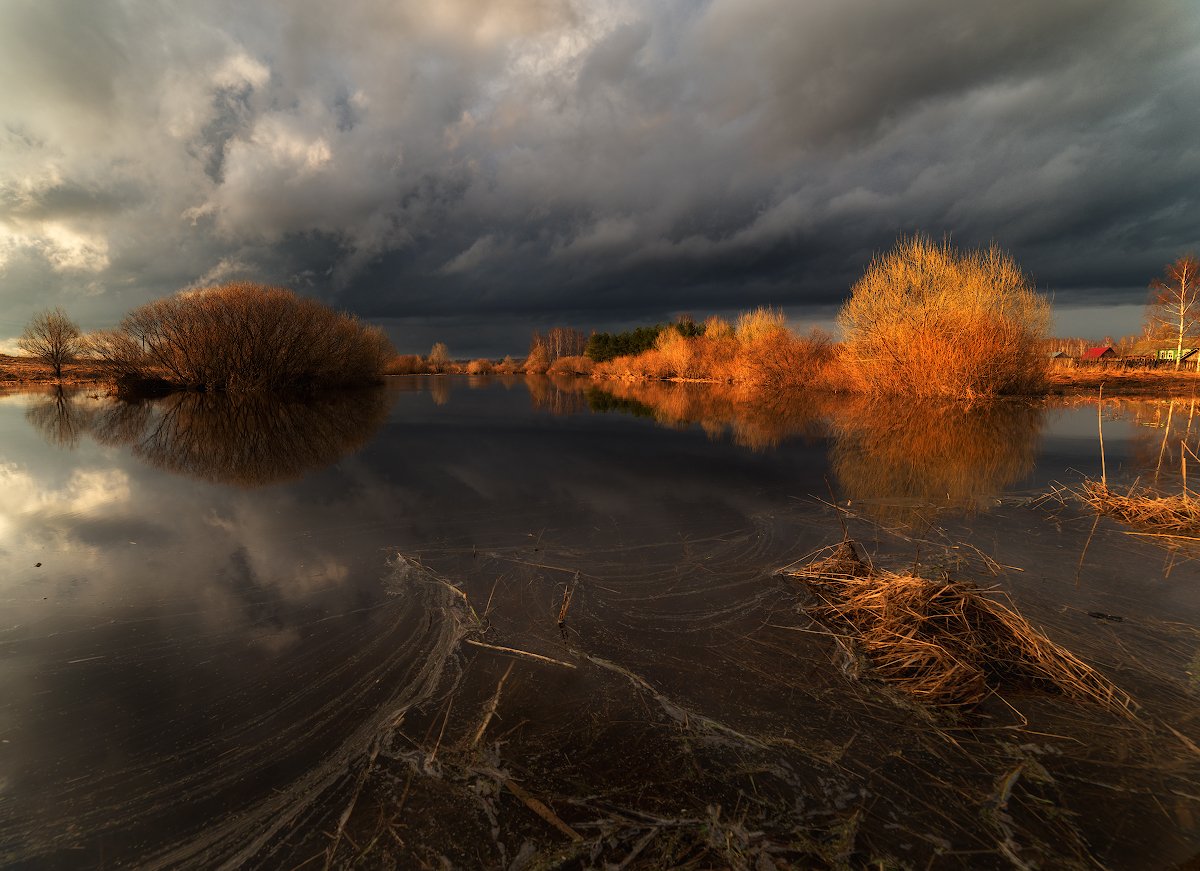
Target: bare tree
{"points": [[439, 357], [53, 338], [559, 342], [1175, 301]]}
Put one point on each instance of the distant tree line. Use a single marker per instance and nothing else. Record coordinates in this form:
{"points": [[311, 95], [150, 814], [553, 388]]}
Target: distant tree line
{"points": [[602, 347]]}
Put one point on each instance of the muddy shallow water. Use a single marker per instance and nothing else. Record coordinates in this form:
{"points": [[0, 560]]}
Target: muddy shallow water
{"points": [[266, 634]]}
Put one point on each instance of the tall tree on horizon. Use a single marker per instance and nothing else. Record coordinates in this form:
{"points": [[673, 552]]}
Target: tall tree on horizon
{"points": [[1175, 301]]}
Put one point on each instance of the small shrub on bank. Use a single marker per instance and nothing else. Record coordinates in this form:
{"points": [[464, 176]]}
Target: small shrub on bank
{"points": [[571, 366], [243, 336], [538, 361], [480, 367], [407, 364], [928, 320]]}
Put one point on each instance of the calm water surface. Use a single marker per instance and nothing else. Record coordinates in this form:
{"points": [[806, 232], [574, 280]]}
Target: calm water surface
{"points": [[228, 634]]}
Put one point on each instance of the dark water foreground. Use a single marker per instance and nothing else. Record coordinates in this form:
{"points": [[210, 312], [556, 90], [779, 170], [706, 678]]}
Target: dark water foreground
{"points": [[265, 634]]}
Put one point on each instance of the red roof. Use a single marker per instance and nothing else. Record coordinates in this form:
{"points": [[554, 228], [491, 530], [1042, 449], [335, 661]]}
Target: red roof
{"points": [[1097, 353]]}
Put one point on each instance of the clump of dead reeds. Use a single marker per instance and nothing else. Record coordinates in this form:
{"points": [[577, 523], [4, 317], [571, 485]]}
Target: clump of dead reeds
{"points": [[1141, 506], [948, 643]]}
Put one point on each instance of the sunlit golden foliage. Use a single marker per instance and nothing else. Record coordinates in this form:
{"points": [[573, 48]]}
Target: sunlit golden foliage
{"points": [[760, 352], [537, 362], [507, 366], [928, 320], [407, 364], [577, 365], [901, 460], [244, 336], [438, 360], [480, 367]]}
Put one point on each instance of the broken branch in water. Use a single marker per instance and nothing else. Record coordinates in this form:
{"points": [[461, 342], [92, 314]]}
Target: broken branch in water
{"points": [[541, 810], [493, 704], [568, 593], [515, 652]]}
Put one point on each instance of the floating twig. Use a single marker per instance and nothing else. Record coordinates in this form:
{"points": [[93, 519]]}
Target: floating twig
{"points": [[516, 652]]}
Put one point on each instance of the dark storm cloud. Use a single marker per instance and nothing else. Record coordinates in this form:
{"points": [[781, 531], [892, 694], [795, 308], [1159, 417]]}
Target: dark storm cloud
{"points": [[590, 161]]}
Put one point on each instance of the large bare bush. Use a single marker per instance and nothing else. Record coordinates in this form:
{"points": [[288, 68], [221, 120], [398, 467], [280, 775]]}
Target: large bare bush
{"points": [[244, 336], [928, 320]]}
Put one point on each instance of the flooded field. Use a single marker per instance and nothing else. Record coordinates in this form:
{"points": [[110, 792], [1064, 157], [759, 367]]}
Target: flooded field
{"points": [[527, 624]]}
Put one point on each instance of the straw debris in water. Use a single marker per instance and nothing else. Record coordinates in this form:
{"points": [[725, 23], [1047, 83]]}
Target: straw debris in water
{"points": [[948, 643], [1143, 507]]}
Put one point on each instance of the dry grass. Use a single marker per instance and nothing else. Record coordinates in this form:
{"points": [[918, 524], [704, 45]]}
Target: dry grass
{"points": [[21, 370], [1143, 507], [1127, 381], [948, 643], [928, 320]]}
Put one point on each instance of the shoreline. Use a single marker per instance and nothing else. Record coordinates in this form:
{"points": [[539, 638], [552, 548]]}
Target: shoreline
{"points": [[17, 373]]}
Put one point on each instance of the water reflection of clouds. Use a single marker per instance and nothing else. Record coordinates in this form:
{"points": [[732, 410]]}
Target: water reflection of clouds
{"points": [[24, 498]]}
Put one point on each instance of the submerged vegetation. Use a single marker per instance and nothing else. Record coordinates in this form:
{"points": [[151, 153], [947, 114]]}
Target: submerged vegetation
{"points": [[1143, 506], [241, 337], [948, 643]]}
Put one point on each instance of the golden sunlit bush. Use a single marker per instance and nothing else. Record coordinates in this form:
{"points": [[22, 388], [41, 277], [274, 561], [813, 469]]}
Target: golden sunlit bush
{"points": [[537, 362], [407, 364], [480, 367], [244, 336], [571, 366], [760, 352], [928, 320], [507, 366]]}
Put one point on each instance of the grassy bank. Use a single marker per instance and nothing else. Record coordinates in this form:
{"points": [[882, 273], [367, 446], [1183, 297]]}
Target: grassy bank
{"points": [[18, 371]]}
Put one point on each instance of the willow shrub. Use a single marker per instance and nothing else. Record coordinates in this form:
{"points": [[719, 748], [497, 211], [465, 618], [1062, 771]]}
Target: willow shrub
{"points": [[244, 336], [928, 320], [759, 351]]}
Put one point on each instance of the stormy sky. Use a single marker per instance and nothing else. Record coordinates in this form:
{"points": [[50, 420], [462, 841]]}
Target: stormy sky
{"points": [[465, 170]]}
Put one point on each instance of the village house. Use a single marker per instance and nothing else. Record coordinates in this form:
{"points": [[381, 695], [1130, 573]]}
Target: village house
{"points": [[1164, 350]]}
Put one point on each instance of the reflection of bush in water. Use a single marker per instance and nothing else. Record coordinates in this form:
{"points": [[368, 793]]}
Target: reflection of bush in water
{"points": [[755, 419], [59, 417], [249, 439], [557, 394], [948, 454]]}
